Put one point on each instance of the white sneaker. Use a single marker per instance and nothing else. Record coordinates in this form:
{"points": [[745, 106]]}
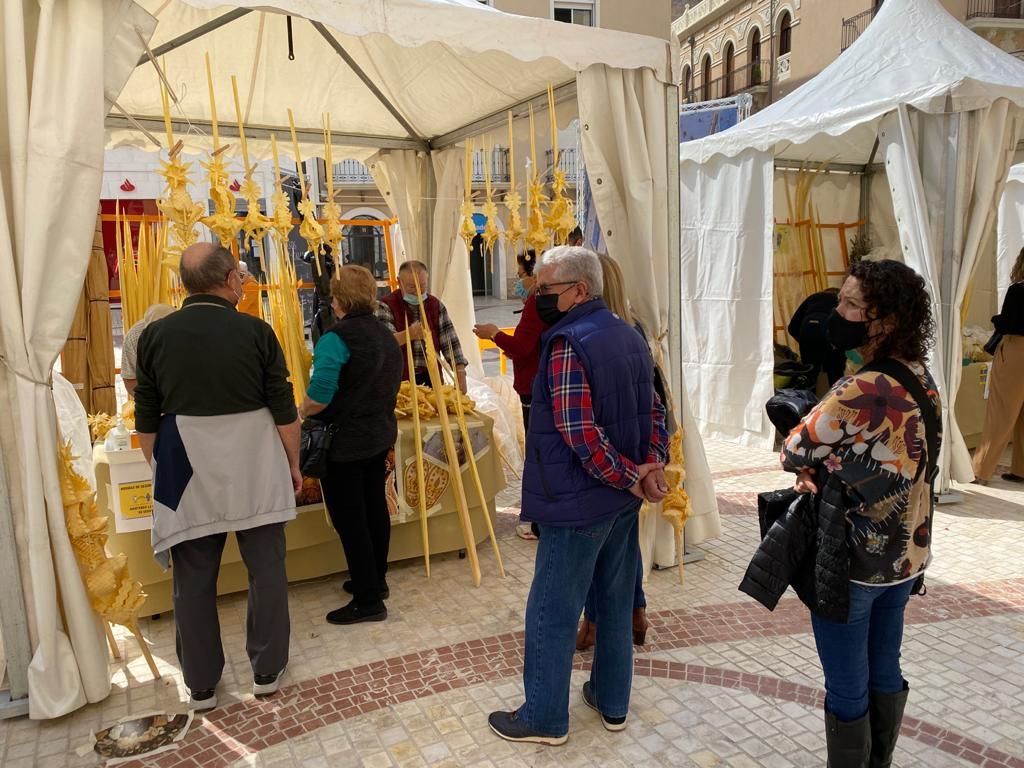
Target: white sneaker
{"points": [[264, 685], [202, 700]]}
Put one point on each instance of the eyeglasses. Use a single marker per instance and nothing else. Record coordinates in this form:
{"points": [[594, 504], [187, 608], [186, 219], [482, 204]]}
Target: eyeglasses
{"points": [[546, 287]]}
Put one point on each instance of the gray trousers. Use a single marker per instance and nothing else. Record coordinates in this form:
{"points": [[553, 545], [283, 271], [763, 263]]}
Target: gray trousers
{"points": [[195, 566]]}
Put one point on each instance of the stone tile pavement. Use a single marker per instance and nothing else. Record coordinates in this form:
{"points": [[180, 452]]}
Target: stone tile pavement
{"points": [[721, 681]]}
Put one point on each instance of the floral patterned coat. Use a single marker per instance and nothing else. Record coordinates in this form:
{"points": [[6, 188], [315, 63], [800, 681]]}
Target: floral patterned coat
{"points": [[868, 432]]}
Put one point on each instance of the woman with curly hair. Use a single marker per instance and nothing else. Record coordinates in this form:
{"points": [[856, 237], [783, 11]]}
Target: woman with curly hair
{"points": [[1004, 412], [867, 438]]}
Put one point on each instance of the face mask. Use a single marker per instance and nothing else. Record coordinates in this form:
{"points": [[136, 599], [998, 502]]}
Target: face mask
{"points": [[411, 298], [846, 334], [854, 357], [547, 307], [521, 290]]}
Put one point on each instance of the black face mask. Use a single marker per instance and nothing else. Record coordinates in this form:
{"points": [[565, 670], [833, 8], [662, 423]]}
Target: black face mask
{"points": [[846, 334], [547, 307]]}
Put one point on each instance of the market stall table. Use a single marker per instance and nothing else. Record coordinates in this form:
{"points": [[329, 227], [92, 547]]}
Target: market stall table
{"points": [[313, 546]]}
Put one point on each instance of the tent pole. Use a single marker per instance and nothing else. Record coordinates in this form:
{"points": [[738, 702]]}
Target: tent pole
{"points": [[367, 80], [13, 618], [194, 34], [253, 132], [864, 214], [675, 278], [951, 258], [563, 92]]}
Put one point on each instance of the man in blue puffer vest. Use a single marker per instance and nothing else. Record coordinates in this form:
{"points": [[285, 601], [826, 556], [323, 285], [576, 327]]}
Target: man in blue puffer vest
{"points": [[596, 449]]}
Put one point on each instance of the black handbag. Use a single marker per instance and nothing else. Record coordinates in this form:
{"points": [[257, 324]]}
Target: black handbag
{"points": [[993, 343], [314, 446]]}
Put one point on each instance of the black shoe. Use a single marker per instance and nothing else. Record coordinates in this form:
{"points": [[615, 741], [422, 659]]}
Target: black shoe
{"points": [[354, 613], [511, 728], [610, 723], [849, 744], [886, 716], [384, 592], [1012, 478]]}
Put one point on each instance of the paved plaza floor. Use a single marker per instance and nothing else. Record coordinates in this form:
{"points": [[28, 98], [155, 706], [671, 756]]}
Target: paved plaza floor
{"points": [[721, 681]]}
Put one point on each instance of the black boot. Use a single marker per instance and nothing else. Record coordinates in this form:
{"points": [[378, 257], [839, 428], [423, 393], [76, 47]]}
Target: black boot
{"points": [[886, 716], [849, 744]]}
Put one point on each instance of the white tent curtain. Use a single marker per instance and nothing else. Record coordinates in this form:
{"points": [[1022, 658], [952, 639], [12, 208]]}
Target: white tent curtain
{"points": [[52, 103], [941, 235], [403, 178], [1009, 229], [449, 262], [726, 252], [629, 183]]}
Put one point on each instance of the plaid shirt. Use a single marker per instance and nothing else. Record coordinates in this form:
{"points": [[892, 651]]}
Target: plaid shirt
{"points": [[419, 350], [574, 418]]}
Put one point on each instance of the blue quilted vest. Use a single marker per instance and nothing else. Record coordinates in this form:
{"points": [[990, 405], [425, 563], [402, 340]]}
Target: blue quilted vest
{"points": [[557, 490]]}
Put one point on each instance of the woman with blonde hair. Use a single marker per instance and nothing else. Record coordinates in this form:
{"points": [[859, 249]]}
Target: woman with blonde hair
{"points": [[357, 371], [1004, 414], [614, 295]]}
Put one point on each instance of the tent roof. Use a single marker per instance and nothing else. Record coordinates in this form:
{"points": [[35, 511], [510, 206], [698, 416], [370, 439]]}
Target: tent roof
{"points": [[914, 53], [439, 64]]}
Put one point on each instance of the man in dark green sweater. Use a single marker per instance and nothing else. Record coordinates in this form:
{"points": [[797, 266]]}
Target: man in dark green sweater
{"points": [[216, 418]]}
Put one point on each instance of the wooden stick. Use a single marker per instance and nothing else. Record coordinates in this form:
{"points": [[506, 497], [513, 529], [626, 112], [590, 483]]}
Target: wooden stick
{"points": [[474, 470], [133, 627], [458, 488], [213, 106], [114, 650], [241, 127], [421, 488]]}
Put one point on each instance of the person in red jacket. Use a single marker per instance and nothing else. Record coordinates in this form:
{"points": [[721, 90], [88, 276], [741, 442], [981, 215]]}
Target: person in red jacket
{"points": [[523, 348]]}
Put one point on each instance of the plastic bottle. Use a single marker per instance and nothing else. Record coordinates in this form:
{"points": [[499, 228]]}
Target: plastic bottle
{"points": [[119, 438]]}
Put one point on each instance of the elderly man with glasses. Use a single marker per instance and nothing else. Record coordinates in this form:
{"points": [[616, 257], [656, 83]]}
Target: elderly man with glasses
{"points": [[595, 449]]}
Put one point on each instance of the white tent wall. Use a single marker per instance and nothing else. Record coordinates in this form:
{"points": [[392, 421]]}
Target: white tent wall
{"points": [[61, 65], [726, 227], [1010, 231], [630, 186]]}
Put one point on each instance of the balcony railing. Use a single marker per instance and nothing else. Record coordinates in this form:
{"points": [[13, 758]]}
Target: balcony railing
{"points": [[854, 26], [567, 161], [995, 9], [499, 165], [743, 79], [351, 172]]}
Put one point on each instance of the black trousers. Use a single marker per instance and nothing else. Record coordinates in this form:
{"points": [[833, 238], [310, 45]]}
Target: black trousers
{"points": [[423, 378], [355, 500], [195, 566], [526, 400]]}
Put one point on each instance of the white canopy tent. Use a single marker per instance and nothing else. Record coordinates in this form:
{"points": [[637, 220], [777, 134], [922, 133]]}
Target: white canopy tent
{"points": [[405, 82], [919, 92]]}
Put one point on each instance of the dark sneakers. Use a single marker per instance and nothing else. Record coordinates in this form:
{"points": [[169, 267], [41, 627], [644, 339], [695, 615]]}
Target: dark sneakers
{"points": [[610, 723], [384, 591], [203, 700], [355, 614], [1012, 478], [511, 728]]}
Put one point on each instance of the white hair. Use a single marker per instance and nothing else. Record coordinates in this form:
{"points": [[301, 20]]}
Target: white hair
{"points": [[157, 312], [573, 262]]}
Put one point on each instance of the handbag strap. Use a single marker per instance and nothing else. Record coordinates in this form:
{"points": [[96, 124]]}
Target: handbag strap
{"points": [[909, 381]]}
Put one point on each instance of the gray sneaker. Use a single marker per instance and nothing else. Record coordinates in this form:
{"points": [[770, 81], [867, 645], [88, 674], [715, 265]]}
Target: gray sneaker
{"points": [[264, 685]]}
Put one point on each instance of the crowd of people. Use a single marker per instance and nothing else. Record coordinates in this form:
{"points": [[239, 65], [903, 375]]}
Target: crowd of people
{"points": [[213, 403]]}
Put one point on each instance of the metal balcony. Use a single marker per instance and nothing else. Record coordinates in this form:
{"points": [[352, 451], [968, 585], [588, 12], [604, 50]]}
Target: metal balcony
{"points": [[995, 9], [854, 26], [746, 78]]}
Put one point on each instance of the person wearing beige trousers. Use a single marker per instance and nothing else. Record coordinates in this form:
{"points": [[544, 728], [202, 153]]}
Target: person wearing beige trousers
{"points": [[1004, 414]]}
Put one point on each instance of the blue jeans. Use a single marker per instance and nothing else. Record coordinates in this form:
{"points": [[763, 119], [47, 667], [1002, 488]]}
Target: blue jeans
{"points": [[569, 560], [639, 599], [863, 654]]}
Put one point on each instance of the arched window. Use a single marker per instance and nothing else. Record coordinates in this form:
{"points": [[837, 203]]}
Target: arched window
{"points": [[705, 79], [728, 65], [687, 82], [785, 33], [364, 245], [755, 57]]}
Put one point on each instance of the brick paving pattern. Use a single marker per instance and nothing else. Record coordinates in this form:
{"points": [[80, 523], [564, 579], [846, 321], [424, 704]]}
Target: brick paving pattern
{"points": [[721, 681]]}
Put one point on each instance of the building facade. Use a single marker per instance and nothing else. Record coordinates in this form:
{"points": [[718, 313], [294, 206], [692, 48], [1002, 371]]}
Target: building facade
{"points": [[768, 48]]}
